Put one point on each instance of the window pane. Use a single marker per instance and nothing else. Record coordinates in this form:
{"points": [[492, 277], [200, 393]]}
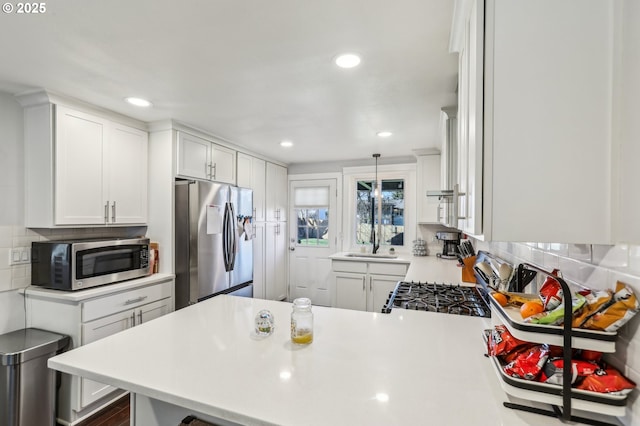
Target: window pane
{"points": [[393, 212], [363, 211], [313, 227], [388, 214]]}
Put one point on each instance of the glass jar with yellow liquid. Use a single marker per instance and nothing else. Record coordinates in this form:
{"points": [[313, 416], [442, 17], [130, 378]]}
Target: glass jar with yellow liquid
{"points": [[302, 321]]}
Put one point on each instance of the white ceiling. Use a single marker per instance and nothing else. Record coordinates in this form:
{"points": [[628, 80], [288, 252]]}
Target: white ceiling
{"points": [[253, 72]]}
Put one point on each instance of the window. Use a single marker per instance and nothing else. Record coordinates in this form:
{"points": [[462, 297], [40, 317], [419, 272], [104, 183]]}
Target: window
{"points": [[311, 205], [394, 214], [384, 209]]}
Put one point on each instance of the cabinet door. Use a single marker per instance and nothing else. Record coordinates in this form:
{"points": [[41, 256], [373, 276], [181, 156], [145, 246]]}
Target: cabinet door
{"points": [[351, 292], [223, 164], [276, 192], [126, 174], [251, 173], [428, 180], [475, 118], [275, 261], [79, 189], [91, 391], [379, 288], [152, 311], [194, 156], [259, 261]]}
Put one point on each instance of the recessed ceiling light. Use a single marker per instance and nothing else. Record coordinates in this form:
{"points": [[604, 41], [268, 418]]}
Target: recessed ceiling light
{"points": [[384, 134], [286, 144], [138, 102], [348, 60]]}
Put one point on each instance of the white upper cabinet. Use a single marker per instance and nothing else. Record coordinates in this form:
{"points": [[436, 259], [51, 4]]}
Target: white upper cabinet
{"points": [[428, 171], [126, 159], [276, 195], [88, 171], [251, 174], [201, 159], [535, 120]]}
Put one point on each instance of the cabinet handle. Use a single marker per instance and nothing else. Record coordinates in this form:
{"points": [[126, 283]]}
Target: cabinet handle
{"points": [[106, 212], [136, 300], [140, 316], [364, 287], [133, 319], [456, 202], [113, 212], [370, 284], [214, 173]]}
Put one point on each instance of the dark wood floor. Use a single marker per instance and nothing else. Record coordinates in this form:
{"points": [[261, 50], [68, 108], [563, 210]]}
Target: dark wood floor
{"points": [[117, 414]]}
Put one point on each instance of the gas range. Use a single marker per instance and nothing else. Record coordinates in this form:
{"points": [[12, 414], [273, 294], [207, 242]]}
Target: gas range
{"points": [[435, 297]]}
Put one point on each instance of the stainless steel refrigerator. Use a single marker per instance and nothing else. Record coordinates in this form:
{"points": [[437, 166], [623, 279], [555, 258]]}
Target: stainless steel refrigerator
{"points": [[214, 241]]}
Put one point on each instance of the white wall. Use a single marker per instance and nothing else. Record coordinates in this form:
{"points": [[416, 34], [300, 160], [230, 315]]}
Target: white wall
{"points": [[11, 209]]}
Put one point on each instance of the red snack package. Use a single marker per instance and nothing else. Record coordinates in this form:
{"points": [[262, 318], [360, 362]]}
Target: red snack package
{"points": [[551, 292], [501, 342], [528, 364], [553, 370], [607, 380], [511, 356]]}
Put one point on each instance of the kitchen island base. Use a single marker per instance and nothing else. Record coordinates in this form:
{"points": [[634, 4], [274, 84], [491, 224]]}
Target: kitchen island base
{"points": [[147, 411]]}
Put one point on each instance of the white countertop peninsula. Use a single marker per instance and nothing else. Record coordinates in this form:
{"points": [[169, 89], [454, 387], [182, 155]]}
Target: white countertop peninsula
{"points": [[363, 368]]}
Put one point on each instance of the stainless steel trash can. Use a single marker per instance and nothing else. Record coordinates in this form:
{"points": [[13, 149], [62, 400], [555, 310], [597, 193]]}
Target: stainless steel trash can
{"points": [[27, 385]]}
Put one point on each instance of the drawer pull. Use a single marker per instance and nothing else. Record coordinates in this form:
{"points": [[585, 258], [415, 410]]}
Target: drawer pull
{"points": [[136, 300]]}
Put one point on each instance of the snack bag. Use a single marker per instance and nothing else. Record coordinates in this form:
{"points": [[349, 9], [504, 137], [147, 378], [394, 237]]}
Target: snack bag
{"points": [[528, 364], [551, 293], [556, 316], [623, 306], [553, 370], [596, 300], [501, 342], [607, 380]]}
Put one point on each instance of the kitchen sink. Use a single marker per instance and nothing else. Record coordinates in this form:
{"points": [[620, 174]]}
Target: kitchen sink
{"points": [[372, 255]]}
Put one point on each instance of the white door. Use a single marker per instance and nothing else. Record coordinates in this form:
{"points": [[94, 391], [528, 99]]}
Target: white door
{"points": [[312, 238], [275, 270], [379, 288]]}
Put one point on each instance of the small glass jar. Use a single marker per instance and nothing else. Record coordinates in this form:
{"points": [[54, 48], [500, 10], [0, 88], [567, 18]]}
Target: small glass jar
{"points": [[265, 323], [302, 321]]}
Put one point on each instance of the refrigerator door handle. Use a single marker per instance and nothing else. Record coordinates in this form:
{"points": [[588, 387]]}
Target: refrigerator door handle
{"points": [[234, 237], [225, 237]]}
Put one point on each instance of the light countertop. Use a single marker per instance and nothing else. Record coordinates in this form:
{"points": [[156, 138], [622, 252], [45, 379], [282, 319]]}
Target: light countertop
{"points": [[363, 368], [90, 293]]}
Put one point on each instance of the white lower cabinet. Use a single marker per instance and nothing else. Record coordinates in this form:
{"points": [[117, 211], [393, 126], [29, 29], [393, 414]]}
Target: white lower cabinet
{"points": [[365, 286], [85, 320]]}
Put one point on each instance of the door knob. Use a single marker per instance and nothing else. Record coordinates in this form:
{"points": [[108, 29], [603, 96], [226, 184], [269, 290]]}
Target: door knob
{"points": [[292, 248]]}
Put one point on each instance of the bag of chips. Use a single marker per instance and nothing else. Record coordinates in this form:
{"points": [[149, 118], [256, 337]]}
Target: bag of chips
{"points": [[556, 316], [501, 342], [553, 370], [607, 380], [595, 300], [610, 317], [528, 364]]}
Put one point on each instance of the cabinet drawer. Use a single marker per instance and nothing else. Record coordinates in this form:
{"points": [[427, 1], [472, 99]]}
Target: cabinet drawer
{"points": [[119, 302], [399, 269], [349, 266]]}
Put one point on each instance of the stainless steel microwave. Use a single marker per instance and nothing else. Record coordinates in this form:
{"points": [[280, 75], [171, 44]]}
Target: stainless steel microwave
{"points": [[80, 264]]}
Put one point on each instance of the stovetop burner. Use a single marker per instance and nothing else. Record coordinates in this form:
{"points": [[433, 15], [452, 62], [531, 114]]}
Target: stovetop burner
{"points": [[434, 297]]}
